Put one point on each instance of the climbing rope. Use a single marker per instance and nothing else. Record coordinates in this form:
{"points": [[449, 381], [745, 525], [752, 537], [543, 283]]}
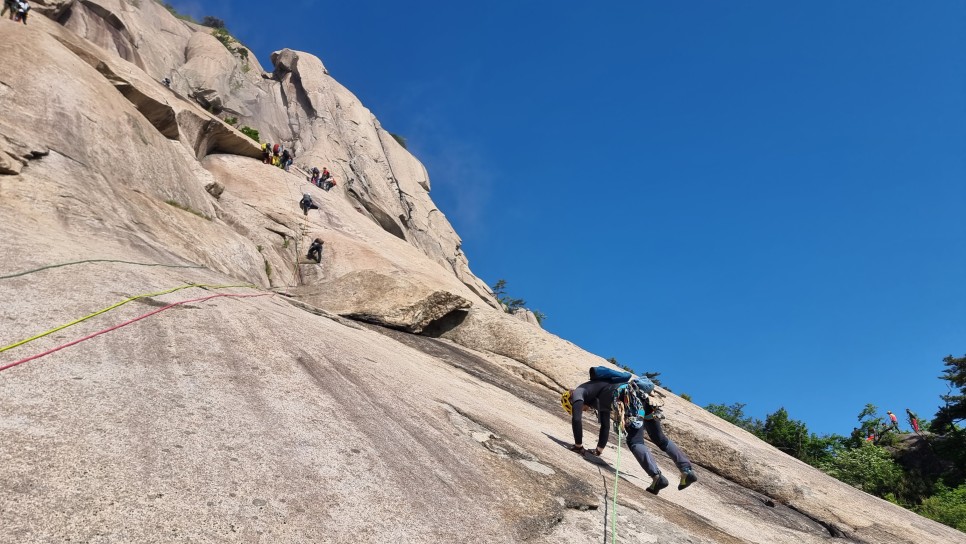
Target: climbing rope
{"points": [[126, 323], [48, 267], [113, 306], [617, 473], [303, 228]]}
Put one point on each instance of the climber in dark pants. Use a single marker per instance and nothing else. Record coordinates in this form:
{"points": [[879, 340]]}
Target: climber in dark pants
{"points": [[599, 395], [306, 204], [315, 250]]}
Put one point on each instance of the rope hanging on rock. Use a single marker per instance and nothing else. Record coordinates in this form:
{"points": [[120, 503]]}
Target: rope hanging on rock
{"points": [[114, 306], [126, 323], [48, 267], [617, 473]]}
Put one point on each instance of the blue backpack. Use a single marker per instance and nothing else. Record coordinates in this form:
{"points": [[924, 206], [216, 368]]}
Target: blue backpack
{"points": [[609, 375]]}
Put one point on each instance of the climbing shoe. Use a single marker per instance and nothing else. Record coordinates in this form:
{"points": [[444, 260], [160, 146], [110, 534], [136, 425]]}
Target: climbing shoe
{"points": [[659, 483], [688, 477]]}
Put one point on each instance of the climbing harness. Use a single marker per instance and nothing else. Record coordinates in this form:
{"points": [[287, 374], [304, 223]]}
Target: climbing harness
{"points": [[634, 402]]}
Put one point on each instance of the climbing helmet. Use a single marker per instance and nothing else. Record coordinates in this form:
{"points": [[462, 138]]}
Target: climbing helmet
{"points": [[565, 402]]}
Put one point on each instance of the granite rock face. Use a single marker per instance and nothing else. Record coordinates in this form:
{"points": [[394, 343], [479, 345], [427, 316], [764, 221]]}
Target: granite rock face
{"points": [[236, 391]]}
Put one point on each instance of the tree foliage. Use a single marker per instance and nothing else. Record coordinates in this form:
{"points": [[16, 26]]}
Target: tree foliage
{"points": [[653, 376], [867, 467], [213, 22], [615, 362], [870, 420], [250, 132], [946, 506], [784, 433], [509, 303], [183, 17], [401, 140], [735, 414], [924, 472], [224, 37], [954, 409]]}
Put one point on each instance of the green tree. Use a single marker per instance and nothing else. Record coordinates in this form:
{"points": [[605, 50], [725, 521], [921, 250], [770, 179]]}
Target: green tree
{"points": [[868, 467], [954, 409], [653, 376], [615, 362], [786, 434], [820, 449], [509, 304], [540, 316], [947, 506], [250, 132], [224, 37], [870, 421], [213, 22], [735, 414], [401, 140]]}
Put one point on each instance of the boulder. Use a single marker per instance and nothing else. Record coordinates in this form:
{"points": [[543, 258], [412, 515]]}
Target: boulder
{"points": [[525, 315], [373, 297]]}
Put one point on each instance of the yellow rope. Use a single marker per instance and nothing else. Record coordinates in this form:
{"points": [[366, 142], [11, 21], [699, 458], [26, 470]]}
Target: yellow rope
{"points": [[113, 306]]}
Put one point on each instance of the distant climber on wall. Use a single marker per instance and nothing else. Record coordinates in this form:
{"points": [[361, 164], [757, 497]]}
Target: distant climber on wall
{"points": [[600, 394], [306, 203], [326, 181], [315, 250], [12, 6], [276, 154], [267, 153], [286, 160], [22, 9], [314, 180]]}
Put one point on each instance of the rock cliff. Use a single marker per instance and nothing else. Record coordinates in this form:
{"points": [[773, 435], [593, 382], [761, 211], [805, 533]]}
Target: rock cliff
{"points": [[183, 374]]}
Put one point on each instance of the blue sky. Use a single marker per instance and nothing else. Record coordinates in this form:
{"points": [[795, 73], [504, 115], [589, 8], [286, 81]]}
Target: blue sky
{"points": [[762, 201]]}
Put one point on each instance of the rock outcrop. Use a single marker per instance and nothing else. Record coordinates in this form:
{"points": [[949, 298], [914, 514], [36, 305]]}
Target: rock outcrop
{"points": [[231, 390]]}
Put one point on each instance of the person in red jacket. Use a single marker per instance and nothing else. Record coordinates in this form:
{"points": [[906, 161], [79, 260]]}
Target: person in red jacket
{"points": [[913, 420]]}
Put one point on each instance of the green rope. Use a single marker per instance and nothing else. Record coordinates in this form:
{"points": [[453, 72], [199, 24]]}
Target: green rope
{"points": [[617, 477], [18, 274]]}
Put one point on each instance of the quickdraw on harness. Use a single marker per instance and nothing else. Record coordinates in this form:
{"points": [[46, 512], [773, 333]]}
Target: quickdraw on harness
{"points": [[632, 404]]}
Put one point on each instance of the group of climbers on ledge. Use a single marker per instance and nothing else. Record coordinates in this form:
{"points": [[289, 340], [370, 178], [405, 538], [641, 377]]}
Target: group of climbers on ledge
{"points": [[18, 10], [323, 180], [874, 433], [276, 155]]}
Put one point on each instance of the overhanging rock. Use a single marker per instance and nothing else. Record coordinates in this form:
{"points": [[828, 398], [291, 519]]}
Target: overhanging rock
{"points": [[386, 300]]}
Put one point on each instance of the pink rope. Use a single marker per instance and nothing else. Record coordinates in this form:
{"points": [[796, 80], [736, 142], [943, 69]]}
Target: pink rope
{"points": [[124, 324]]}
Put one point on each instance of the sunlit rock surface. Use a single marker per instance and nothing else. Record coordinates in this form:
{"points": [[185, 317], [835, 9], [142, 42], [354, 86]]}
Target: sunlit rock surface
{"points": [[299, 406]]}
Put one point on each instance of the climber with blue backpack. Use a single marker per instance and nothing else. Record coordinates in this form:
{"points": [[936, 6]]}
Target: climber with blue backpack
{"points": [[627, 399]]}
